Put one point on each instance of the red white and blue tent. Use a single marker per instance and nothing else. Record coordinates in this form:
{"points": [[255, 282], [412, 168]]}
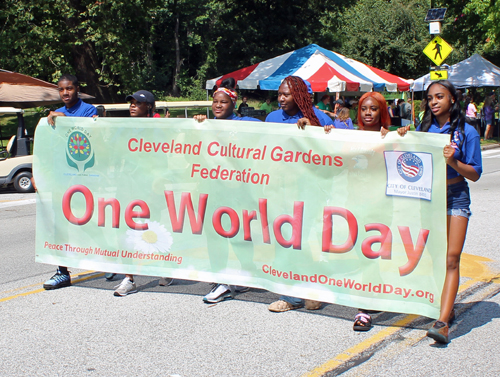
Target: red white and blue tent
{"points": [[324, 69]]}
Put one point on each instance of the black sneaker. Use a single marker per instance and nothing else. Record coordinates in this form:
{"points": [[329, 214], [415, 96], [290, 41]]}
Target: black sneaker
{"points": [[59, 280]]}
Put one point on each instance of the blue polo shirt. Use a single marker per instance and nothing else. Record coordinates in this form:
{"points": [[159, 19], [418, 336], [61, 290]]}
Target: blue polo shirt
{"points": [[80, 109], [469, 153], [236, 117], [343, 124], [279, 116]]}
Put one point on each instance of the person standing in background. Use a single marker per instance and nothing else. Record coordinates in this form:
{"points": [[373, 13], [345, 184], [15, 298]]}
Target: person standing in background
{"points": [[243, 104], [488, 115], [471, 113], [266, 106]]}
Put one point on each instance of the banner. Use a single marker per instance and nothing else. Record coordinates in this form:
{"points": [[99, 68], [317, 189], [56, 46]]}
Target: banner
{"points": [[346, 217]]}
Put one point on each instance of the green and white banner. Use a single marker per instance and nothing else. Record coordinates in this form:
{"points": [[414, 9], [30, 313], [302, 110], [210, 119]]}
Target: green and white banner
{"points": [[347, 218]]}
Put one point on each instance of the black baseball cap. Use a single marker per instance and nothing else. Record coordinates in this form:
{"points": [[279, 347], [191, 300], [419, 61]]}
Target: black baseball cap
{"points": [[142, 96]]}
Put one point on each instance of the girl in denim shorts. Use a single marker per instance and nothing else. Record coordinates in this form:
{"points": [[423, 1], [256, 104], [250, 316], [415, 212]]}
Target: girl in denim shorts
{"points": [[463, 158]]}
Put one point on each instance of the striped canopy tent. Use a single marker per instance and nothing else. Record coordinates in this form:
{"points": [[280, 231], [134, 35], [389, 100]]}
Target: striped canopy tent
{"points": [[324, 69]]}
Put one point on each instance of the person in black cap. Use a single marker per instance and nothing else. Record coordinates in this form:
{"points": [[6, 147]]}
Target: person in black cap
{"points": [[339, 105], [142, 104]]}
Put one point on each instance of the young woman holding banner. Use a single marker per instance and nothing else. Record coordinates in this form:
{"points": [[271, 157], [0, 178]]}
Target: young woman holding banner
{"points": [[142, 105], [372, 116], [223, 105], [463, 158], [294, 97]]}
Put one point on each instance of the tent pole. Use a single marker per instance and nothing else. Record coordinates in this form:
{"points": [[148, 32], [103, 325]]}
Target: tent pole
{"points": [[208, 114], [413, 107]]}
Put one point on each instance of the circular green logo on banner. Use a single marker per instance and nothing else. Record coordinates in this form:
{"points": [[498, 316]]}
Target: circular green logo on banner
{"points": [[79, 146]]}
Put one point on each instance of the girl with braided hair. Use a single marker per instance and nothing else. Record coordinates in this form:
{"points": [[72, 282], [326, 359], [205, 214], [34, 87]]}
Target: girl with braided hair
{"points": [[463, 158], [296, 105]]}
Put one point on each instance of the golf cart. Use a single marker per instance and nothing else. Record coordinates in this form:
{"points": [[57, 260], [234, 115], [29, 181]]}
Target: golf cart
{"points": [[15, 160]]}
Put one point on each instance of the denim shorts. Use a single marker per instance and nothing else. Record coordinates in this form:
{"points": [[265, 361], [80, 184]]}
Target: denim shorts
{"points": [[459, 200]]}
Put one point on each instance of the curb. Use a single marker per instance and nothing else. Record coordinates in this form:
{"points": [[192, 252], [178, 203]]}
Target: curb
{"points": [[490, 146]]}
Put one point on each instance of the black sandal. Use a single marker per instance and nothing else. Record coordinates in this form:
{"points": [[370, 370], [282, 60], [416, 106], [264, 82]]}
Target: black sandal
{"points": [[362, 322]]}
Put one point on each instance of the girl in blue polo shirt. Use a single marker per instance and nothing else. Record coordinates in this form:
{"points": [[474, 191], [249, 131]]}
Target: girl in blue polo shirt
{"points": [[463, 157], [294, 97], [223, 104], [372, 116]]}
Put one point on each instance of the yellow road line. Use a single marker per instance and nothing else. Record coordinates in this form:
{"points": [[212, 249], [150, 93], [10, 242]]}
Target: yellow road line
{"points": [[37, 284], [92, 275], [360, 347], [365, 345], [21, 295]]}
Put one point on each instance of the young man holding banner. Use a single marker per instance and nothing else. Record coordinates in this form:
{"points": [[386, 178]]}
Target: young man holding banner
{"points": [[69, 89]]}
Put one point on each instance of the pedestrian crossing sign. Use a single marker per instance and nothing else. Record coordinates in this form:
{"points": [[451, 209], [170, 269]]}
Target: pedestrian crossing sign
{"points": [[438, 50]]}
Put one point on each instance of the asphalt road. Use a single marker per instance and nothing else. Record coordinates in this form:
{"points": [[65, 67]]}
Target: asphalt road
{"points": [[83, 330]]}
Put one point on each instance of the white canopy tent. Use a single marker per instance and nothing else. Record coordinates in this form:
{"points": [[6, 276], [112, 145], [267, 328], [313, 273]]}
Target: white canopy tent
{"points": [[475, 71]]}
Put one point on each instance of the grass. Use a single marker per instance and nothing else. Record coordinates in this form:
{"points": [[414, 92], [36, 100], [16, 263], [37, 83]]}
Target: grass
{"points": [[495, 140]]}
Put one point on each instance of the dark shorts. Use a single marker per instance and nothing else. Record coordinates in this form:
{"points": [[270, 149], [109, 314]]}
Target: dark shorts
{"points": [[458, 200]]}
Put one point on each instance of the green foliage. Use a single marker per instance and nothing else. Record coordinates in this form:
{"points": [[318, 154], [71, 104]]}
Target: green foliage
{"points": [[472, 26], [105, 43], [387, 35], [174, 46]]}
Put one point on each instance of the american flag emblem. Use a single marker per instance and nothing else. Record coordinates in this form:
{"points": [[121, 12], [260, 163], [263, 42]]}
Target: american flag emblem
{"points": [[410, 170], [410, 167]]}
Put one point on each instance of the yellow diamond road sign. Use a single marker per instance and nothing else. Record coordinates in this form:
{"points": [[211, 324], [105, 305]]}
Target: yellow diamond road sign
{"points": [[439, 75], [438, 50]]}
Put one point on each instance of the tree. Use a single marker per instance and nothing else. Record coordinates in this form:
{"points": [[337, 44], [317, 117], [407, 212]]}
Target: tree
{"points": [[472, 26], [214, 37], [106, 44], [387, 35]]}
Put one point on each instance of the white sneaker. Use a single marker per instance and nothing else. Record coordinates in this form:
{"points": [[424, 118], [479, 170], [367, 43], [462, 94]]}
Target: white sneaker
{"points": [[125, 287], [219, 293]]}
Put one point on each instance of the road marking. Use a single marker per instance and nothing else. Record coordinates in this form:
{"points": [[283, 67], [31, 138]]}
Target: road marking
{"points": [[411, 337], [361, 347], [86, 275], [472, 266], [17, 203]]}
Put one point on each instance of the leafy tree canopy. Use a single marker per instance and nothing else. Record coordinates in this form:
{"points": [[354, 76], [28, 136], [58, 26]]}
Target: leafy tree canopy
{"points": [[172, 46]]}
